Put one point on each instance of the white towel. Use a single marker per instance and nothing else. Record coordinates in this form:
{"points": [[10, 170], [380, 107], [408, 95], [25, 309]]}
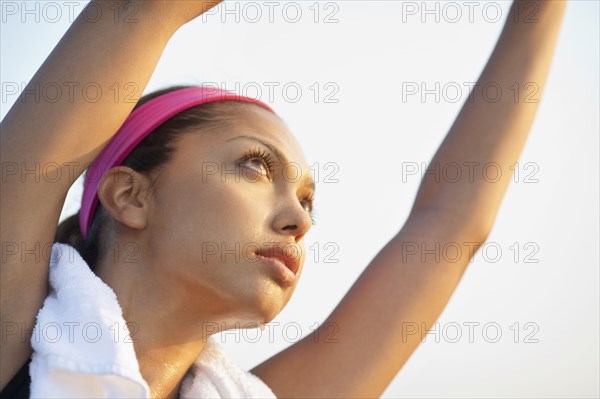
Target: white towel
{"points": [[81, 345]]}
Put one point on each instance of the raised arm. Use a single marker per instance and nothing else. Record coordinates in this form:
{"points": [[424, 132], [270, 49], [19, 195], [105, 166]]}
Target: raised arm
{"points": [[490, 131], [384, 316], [102, 65]]}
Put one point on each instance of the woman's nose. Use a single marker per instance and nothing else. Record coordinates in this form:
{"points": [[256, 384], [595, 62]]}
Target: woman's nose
{"points": [[293, 219]]}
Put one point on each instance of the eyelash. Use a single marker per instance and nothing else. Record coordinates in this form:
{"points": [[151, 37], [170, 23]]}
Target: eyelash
{"points": [[259, 153], [311, 206]]}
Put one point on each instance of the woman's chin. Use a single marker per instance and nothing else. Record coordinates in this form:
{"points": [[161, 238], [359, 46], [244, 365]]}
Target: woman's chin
{"points": [[266, 304]]}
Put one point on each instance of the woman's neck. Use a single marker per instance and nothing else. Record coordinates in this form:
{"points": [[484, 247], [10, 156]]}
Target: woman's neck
{"points": [[165, 368], [166, 333]]}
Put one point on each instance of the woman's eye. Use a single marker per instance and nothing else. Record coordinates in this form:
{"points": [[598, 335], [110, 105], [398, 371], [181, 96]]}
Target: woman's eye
{"points": [[310, 209], [307, 206], [258, 165], [260, 161]]}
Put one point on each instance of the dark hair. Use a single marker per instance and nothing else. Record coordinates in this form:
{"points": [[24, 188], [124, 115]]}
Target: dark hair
{"points": [[149, 157]]}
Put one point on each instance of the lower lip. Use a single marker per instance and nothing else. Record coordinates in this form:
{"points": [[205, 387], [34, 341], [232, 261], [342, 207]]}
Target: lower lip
{"points": [[285, 274]]}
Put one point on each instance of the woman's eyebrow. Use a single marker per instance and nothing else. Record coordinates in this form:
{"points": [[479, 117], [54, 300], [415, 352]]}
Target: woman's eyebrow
{"points": [[309, 181]]}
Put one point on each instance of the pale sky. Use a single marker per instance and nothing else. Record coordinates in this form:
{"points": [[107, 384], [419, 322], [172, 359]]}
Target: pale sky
{"points": [[339, 85]]}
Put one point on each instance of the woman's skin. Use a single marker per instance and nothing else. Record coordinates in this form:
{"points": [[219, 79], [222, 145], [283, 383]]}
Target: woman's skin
{"points": [[397, 288]]}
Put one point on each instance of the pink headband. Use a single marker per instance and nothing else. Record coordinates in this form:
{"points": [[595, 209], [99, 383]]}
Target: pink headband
{"points": [[141, 122]]}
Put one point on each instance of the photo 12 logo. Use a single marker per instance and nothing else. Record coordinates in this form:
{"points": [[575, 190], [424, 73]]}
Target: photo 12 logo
{"points": [[453, 12], [52, 12], [318, 12], [490, 332], [289, 332]]}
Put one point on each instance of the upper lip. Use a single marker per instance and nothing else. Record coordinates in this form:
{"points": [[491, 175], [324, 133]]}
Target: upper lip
{"points": [[289, 254]]}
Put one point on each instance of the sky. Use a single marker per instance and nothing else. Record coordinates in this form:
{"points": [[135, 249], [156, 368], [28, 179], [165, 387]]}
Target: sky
{"points": [[338, 73]]}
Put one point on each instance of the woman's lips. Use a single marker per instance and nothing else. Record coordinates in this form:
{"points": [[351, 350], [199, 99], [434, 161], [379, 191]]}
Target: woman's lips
{"points": [[288, 256], [283, 272]]}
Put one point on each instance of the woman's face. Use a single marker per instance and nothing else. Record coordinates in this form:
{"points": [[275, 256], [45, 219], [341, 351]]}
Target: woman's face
{"points": [[216, 204]]}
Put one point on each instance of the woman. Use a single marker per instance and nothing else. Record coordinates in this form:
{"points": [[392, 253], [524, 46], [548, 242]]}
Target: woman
{"points": [[140, 204]]}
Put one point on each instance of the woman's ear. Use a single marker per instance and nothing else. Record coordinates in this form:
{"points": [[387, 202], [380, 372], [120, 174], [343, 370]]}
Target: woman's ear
{"points": [[123, 193]]}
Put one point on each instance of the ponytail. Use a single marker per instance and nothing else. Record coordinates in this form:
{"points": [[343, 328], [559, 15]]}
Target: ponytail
{"points": [[68, 232]]}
